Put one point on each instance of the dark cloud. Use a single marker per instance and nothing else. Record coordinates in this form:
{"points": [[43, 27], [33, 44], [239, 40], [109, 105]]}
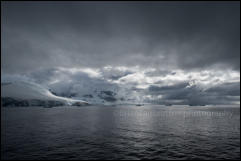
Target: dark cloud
{"points": [[185, 93], [114, 73], [162, 90], [168, 35], [71, 82], [228, 89], [159, 73], [53, 44]]}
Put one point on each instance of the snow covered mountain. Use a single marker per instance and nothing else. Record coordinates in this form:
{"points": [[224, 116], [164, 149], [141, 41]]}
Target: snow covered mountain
{"points": [[96, 92], [20, 93]]}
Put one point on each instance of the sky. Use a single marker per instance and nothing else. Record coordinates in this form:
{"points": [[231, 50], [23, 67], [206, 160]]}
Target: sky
{"points": [[178, 52]]}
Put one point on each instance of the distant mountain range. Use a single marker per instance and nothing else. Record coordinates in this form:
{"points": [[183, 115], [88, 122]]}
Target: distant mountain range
{"points": [[22, 93], [30, 94]]}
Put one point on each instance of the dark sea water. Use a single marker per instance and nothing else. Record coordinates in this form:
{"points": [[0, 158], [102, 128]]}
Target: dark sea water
{"points": [[121, 132]]}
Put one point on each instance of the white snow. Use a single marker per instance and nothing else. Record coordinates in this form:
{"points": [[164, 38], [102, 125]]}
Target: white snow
{"points": [[27, 91]]}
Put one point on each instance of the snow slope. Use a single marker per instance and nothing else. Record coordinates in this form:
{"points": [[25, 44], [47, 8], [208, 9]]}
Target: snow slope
{"points": [[32, 93], [96, 91]]}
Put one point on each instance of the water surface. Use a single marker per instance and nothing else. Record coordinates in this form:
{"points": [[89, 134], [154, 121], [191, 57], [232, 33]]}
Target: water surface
{"points": [[120, 132]]}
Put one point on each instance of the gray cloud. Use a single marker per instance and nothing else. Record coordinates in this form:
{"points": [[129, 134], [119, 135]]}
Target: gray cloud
{"points": [[114, 74], [181, 41], [70, 82], [228, 89], [162, 90], [184, 93], [186, 35], [159, 73]]}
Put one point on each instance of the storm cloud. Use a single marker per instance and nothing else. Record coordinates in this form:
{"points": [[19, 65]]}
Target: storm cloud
{"points": [[184, 93], [177, 52], [185, 35]]}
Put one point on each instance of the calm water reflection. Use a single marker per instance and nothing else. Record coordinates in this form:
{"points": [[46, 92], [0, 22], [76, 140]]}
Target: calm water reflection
{"points": [[121, 132]]}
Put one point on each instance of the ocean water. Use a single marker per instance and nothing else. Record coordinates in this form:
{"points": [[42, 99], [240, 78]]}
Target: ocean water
{"points": [[120, 132]]}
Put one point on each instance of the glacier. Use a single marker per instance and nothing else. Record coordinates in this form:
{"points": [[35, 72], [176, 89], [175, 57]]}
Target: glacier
{"points": [[21, 93]]}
